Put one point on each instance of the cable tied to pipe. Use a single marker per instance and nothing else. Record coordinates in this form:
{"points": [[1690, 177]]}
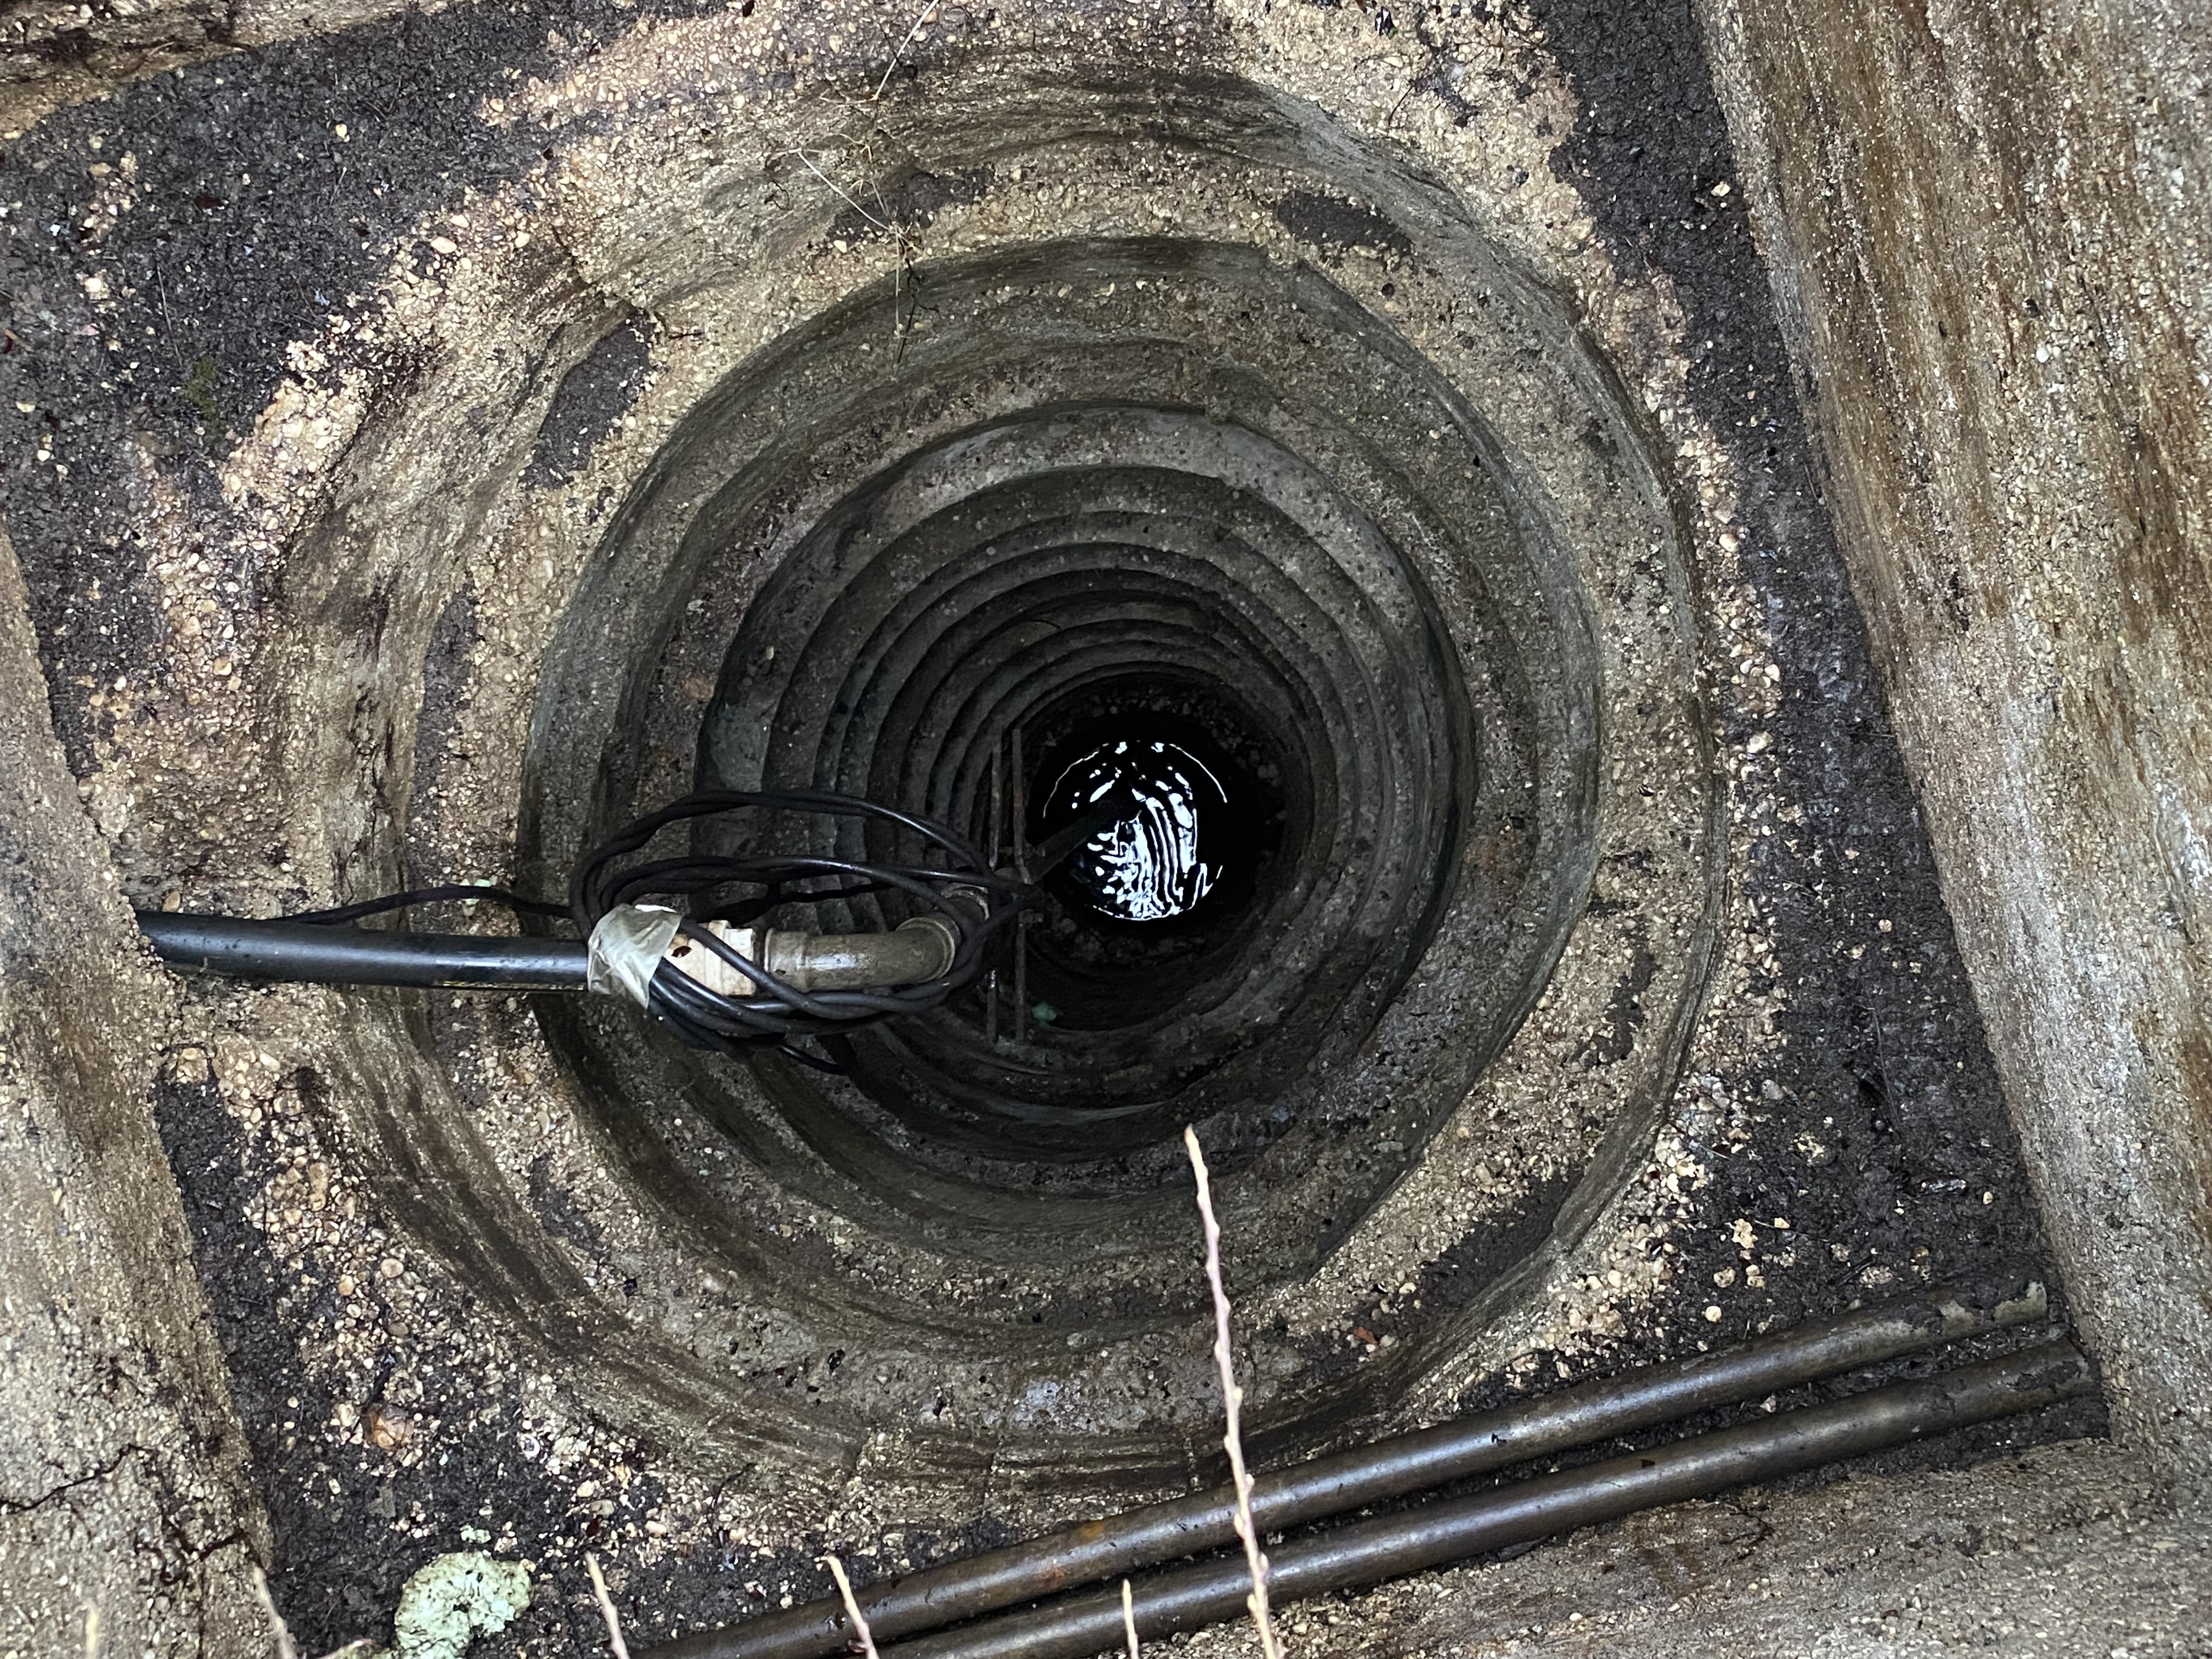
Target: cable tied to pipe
{"points": [[632, 909], [625, 950], [741, 989], [613, 885]]}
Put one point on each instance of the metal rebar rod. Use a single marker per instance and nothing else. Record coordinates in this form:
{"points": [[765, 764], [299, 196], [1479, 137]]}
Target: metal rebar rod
{"points": [[253, 948], [1392, 1467], [1437, 1535], [1018, 826], [991, 858]]}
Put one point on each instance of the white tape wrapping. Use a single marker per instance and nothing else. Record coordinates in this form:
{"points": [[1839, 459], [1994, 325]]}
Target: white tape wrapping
{"points": [[627, 947]]}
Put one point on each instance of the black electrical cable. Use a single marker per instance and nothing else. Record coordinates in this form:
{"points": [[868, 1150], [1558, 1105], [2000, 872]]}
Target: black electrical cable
{"points": [[454, 893], [949, 880], [957, 886]]}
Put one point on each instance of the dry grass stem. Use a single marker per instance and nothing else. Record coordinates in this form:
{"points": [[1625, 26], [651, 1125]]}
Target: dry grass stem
{"points": [[279, 1632], [1129, 1617], [615, 1642], [907, 246], [844, 195], [1232, 1399], [852, 1608], [921, 23]]}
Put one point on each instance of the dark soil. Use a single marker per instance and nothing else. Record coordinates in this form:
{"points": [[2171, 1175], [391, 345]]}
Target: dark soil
{"points": [[254, 220], [1886, 1066]]}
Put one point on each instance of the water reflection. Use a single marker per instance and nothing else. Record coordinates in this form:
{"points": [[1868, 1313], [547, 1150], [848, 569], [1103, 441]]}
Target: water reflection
{"points": [[1149, 865]]}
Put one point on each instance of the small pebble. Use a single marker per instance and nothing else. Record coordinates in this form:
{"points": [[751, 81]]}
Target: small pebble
{"points": [[387, 1427]]}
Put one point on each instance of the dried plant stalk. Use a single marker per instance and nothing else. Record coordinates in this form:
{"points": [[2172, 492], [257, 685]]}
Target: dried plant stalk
{"points": [[1232, 1398], [615, 1642], [852, 1608], [280, 1634]]}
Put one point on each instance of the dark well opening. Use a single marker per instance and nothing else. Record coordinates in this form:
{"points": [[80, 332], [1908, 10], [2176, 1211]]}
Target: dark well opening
{"points": [[1165, 896], [1126, 589]]}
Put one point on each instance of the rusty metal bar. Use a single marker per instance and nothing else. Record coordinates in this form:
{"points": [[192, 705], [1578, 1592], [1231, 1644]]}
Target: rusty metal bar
{"points": [[1392, 1467], [1437, 1535]]}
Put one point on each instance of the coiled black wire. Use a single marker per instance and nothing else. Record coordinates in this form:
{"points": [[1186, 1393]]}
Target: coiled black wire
{"points": [[953, 881], [958, 885]]}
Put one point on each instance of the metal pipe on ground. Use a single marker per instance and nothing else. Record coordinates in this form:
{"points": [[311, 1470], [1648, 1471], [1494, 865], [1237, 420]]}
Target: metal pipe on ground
{"points": [[1392, 1467], [1437, 1535]]}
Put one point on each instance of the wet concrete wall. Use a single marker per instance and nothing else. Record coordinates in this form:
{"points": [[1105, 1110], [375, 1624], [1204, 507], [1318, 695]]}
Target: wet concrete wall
{"points": [[1987, 231]]}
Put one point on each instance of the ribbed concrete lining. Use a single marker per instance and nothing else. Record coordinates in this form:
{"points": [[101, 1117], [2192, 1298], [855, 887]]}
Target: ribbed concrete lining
{"points": [[1170, 510], [1058, 586], [1365, 506], [434, 368]]}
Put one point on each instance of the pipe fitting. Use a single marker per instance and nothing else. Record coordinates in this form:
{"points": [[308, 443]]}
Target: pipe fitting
{"points": [[913, 953]]}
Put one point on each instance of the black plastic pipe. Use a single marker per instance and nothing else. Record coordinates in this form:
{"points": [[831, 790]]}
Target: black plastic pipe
{"points": [[1437, 1535], [244, 948], [1393, 1467], [326, 954]]}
